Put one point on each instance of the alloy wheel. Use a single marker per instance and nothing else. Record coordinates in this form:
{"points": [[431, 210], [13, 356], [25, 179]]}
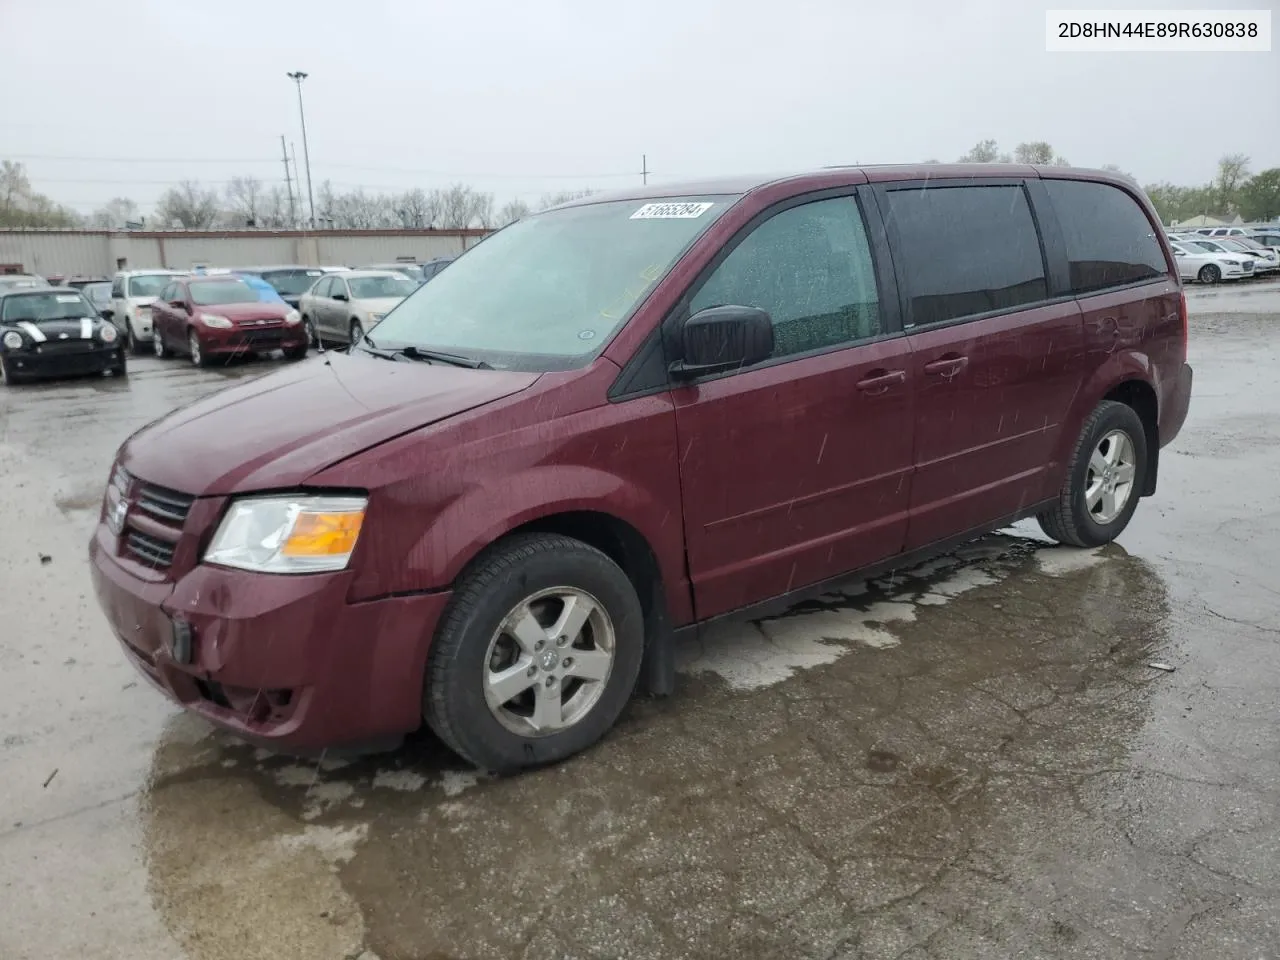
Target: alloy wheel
{"points": [[1109, 481]]}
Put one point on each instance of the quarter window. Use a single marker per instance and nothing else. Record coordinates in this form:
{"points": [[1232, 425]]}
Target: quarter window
{"points": [[1110, 241], [966, 251], [810, 268]]}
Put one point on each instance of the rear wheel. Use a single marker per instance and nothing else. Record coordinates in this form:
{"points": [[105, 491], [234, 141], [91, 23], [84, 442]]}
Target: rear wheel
{"points": [[1209, 273], [537, 654], [1104, 480]]}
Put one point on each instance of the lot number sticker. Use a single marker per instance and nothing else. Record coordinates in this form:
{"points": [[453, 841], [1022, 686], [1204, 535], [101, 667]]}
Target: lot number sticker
{"points": [[68, 298], [671, 211]]}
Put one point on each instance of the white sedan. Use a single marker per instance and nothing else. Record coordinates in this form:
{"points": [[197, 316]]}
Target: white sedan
{"points": [[1265, 260], [1196, 262]]}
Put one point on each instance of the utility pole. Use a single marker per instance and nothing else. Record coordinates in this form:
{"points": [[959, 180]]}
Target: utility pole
{"points": [[293, 152], [288, 183], [297, 77], [644, 169]]}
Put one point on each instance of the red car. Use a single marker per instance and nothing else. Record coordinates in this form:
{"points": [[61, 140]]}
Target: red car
{"points": [[614, 421], [207, 317]]}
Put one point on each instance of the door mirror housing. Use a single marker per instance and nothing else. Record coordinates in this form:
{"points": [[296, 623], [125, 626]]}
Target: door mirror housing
{"points": [[723, 338], [178, 304], [340, 296]]}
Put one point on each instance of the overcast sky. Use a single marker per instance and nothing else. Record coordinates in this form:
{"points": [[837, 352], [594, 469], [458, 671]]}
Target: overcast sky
{"points": [[523, 98]]}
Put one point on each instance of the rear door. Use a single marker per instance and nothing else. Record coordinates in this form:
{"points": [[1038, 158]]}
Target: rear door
{"points": [[797, 469], [995, 361]]}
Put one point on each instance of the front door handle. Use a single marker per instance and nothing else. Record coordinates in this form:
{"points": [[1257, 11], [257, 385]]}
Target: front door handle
{"points": [[878, 381], [947, 366]]}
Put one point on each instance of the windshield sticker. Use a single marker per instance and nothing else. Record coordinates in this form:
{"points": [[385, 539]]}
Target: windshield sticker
{"points": [[671, 211], [586, 334], [68, 298]]}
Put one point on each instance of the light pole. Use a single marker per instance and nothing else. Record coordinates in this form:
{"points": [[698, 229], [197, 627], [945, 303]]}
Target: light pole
{"points": [[297, 77]]}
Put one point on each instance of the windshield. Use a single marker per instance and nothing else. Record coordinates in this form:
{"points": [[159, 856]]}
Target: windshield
{"points": [[374, 288], [148, 285], [98, 293], [208, 292], [1245, 244], [547, 292], [44, 306], [292, 283]]}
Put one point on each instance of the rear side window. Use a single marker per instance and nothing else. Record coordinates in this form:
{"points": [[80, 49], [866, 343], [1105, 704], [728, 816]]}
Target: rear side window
{"points": [[966, 251], [1109, 239], [810, 268]]}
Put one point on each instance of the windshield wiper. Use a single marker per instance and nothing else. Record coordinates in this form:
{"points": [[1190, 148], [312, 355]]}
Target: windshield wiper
{"points": [[435, 356]]}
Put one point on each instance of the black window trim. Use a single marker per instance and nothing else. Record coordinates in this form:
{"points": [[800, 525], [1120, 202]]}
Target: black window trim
{"points": [[1054, 267], [642, 375]]}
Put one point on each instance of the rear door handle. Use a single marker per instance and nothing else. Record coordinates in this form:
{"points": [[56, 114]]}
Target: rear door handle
{"points": [[881, 380], [947, 366]]}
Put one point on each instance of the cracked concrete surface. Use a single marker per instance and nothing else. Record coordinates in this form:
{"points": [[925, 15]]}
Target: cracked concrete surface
{"points": [[970, 759]]}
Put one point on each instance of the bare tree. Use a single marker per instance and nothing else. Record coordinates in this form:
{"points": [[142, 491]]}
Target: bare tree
{"points": [[114, 214], [416, 209], [1233, 170], [512, 211], [460, 207], [188, 205], [985, 151], [1038, 152], [244, 200], [275, 210]]}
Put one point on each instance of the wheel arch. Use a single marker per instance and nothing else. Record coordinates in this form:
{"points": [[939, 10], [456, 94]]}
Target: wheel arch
{"points": [[1139, 395]]}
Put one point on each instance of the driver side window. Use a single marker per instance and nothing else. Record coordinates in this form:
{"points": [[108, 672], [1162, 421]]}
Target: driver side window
{"points": [[810, 268]]}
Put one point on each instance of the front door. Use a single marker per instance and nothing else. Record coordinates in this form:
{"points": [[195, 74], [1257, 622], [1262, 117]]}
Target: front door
{"points": [[798, 469], [995, 367]]}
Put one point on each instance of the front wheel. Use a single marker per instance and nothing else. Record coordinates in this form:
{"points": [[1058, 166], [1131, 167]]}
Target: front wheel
{"points": [[7, 377], [1209, 273], [136, 346], [313, 337], [1104, 480], [295, 353], [356, 332], [198, 356], [536, 656]]}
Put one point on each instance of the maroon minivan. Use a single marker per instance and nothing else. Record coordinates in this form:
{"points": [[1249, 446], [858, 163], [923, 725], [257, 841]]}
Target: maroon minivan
{"points": [[614, 421]]}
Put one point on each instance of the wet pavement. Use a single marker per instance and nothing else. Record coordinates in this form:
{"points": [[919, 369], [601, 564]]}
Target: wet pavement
{"points": [[970, 759]]}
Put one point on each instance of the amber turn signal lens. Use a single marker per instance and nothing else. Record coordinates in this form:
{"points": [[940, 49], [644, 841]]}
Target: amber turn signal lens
{"points": [[323, 534]]}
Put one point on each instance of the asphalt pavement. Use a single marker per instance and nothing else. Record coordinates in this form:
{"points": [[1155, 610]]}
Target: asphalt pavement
{"points": [[974, 758]]}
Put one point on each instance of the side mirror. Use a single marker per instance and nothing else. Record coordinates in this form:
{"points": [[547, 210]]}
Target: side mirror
{"points": [[722, 338], [340, 296], [178, 304], [106, 313]]}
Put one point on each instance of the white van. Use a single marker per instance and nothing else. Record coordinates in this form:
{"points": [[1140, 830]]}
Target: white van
{"points": [[132, 293]]}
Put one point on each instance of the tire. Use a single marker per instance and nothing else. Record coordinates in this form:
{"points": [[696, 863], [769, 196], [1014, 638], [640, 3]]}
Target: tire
{"points": [[355, 332], [471, 647], [158, 345], [136, 347], [1209, 273], [120, 368], [198, 357], [1073, 520], [313, 338], [7, 377], [295, 353]]}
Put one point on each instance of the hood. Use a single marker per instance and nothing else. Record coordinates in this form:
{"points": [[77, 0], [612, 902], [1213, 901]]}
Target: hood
{"points": [[278, 430], [380, 304], [40, 331]]}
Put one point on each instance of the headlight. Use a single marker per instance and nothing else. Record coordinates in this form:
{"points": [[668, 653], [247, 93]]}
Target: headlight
{"points": [[300, 534], [108, 333], [292, 318], [376, 317], [213, 320], [12, 340], [1232, 263]]}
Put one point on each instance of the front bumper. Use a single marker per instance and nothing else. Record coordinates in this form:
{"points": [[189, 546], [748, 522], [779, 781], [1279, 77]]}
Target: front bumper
{"points": [[216, 342], [284, 661], [73, 357]]}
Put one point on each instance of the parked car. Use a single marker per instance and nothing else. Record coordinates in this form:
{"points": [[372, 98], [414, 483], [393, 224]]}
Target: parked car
{"points": [[132, 294], [1268, 238], [52, 331], [1264, 260], [98, 293], [631, 415], [433, 267], [343, 306], [1223, 245], [1223, 231], [14, 281], [80, 281], [411, 270], [291, 282], [206, 317], [1196, 262]]}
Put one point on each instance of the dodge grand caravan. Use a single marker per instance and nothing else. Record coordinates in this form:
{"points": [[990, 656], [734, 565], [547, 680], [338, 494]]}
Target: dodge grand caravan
{"points": [[622, 418]]}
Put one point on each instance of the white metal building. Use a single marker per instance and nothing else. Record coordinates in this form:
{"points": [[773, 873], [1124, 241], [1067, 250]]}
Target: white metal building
{"points": [[64, 253]]}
